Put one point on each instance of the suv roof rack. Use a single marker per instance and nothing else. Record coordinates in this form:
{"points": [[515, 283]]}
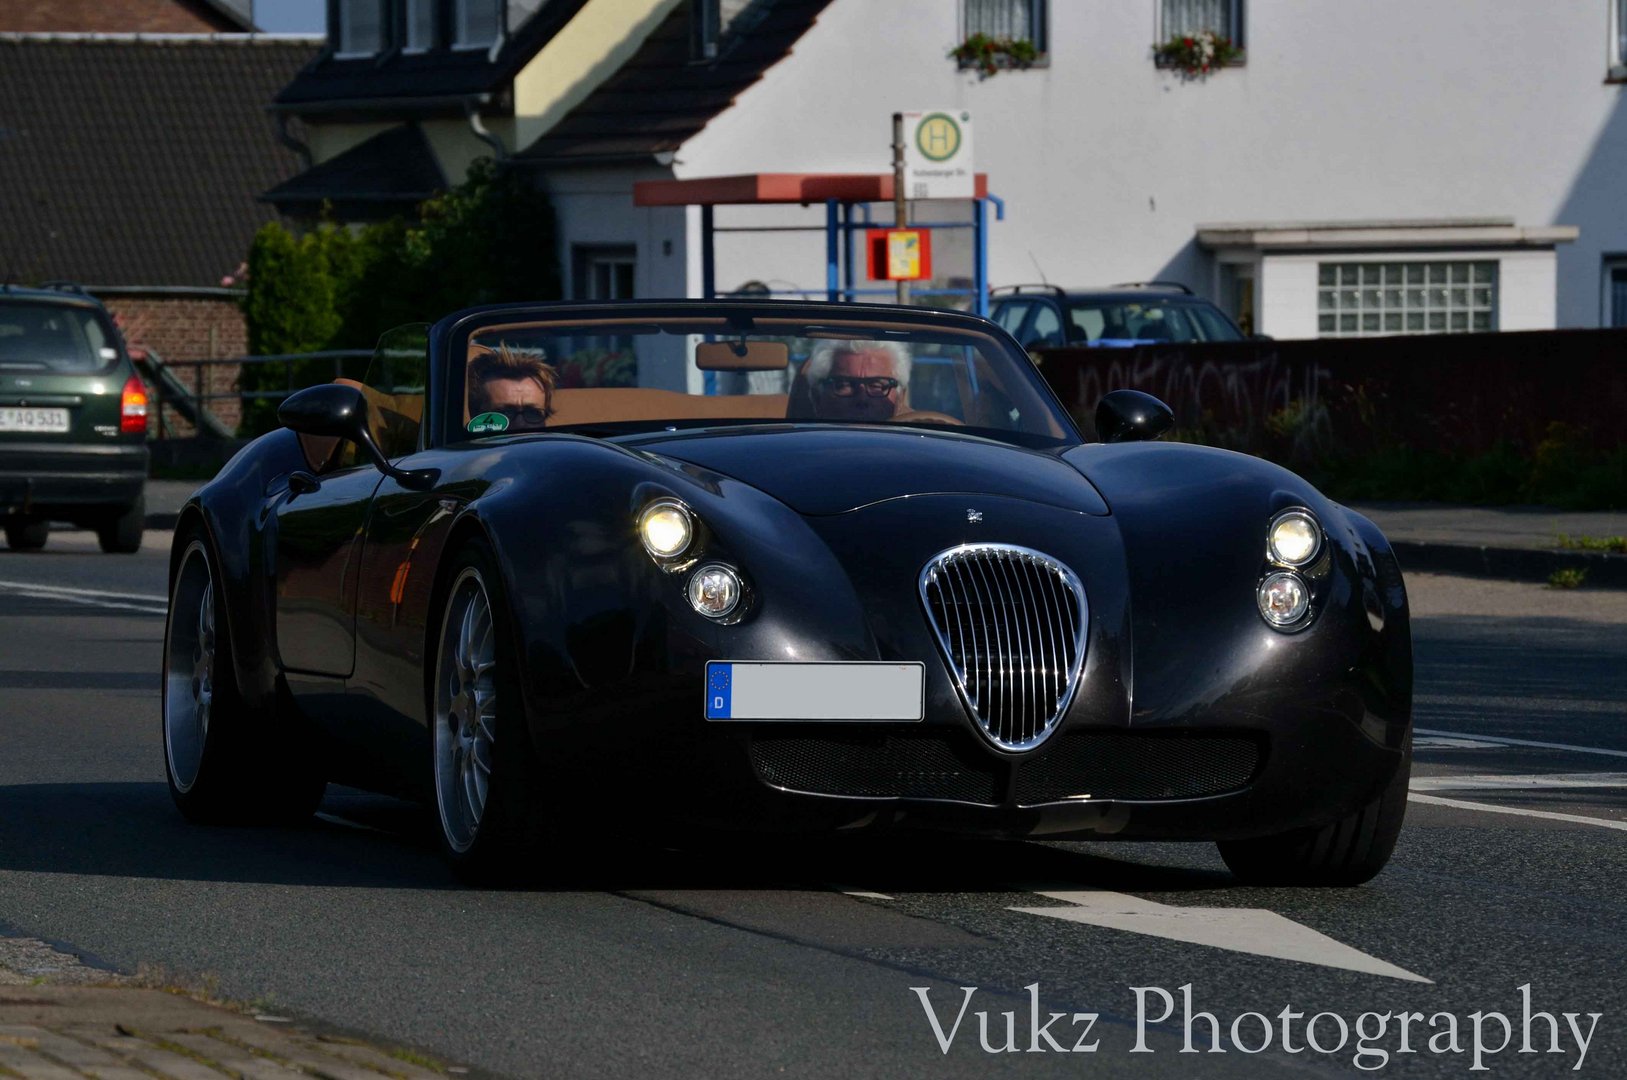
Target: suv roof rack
{"points": [[1056, 290], [1153, 285], [64, 286]]}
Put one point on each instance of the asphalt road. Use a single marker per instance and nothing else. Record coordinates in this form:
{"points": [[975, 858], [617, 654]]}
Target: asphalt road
{"points": [[801, 959]]}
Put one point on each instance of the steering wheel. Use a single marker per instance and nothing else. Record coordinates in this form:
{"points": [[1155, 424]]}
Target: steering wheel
{"points": [[925, 416]]}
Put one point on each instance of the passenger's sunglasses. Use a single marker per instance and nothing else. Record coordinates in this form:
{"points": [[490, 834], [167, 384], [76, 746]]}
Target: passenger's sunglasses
{"points": [[848, 385]]}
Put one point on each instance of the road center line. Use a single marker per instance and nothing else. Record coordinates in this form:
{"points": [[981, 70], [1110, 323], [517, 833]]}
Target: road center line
{"points": [[1523, 742], [118, 601], [1488, 808], [1508, 782]]}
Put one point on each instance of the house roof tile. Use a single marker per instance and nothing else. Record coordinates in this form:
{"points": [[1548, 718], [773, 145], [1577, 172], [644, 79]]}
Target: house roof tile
{"points": [[138, 162]]}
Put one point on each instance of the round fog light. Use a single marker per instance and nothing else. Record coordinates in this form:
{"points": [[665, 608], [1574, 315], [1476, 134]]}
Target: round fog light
{"points": [[1295, 538], [1284, 599], [665, 529], [714, 591]]}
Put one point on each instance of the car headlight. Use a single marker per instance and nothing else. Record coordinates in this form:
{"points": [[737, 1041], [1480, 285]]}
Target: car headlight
{"points": [[715, 591], [1284, 599], [1294, 539], [666, 529]]}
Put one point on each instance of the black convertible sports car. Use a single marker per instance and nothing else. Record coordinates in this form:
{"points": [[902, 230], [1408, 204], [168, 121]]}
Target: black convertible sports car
{"points": [[780, 566]]}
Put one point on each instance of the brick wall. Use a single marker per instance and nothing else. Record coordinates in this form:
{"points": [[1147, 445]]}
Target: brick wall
{"points": [[112, 17], [187, 329]]}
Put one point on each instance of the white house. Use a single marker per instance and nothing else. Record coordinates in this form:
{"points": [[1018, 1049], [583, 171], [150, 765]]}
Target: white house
{"points": [[1379, 167]]}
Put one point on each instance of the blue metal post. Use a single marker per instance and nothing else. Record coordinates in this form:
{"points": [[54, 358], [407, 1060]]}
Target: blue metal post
{"points": [[708, 255], [833, 252], [847, 251], [980, 257]]}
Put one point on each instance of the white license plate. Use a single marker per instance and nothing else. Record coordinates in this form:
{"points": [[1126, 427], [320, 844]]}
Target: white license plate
{"points": [[43, 420], [750, 690]]}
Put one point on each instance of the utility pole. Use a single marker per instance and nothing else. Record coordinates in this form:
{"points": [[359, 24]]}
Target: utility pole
{"points": [[901, 216]]}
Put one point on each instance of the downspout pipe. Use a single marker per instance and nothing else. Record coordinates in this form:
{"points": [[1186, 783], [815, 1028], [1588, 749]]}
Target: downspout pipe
{"points": [[471, 111]]}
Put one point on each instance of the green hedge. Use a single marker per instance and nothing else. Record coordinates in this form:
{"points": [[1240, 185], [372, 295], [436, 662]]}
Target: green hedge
{"points": [[491, 239]]}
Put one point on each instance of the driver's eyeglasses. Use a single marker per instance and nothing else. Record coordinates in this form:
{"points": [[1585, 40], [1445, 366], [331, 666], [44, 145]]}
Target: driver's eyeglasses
{"points": [[848, 385], [529, 415]]}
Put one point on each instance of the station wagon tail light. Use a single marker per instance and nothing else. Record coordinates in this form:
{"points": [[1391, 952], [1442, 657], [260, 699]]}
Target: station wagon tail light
{"points": [[133, 408]]}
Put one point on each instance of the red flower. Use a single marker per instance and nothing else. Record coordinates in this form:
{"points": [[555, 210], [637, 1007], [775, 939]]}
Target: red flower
{"points": [[1187, 42]]}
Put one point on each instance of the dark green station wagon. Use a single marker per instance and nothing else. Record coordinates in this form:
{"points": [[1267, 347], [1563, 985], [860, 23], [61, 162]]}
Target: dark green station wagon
{"points": [[73, 421]]}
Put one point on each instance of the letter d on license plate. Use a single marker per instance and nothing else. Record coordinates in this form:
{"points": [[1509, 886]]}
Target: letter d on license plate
{"points": [[749, 690]]}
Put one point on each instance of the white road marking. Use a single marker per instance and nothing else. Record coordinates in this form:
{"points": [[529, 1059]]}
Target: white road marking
{"points": [[1528, 782], [862, 893], [1246, 930], [1501, 741], [1436, 742], [145, 603], [1488, 808]]}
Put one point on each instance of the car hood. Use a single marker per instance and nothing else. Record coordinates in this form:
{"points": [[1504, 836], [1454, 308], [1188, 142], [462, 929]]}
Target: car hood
{"points": [[831, 470]]}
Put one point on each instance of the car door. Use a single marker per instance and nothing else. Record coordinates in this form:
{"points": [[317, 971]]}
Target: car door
{"points": [[321, 519]]}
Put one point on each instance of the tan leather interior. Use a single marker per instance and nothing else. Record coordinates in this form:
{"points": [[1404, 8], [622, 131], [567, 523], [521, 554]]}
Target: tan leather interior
{"points": [[602, 404]]}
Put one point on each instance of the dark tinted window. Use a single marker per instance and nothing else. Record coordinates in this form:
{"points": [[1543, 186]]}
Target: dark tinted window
{"points": [[1152, 319], [54, 337]]}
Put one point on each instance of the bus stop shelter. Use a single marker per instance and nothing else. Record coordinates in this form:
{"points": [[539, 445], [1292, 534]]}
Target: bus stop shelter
{"points": [[847, 198]]}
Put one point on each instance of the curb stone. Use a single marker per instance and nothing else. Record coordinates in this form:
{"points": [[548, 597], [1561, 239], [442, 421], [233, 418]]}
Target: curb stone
{"points": [[1511, 564]]}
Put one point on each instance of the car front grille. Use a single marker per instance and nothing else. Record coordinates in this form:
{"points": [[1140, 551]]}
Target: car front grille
{"points": [[1116, 765], [1011, 623], [878, 766]]}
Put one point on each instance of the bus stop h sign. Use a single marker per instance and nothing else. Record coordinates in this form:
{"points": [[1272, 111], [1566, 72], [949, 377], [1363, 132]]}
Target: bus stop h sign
{"points": [[938, 155]]}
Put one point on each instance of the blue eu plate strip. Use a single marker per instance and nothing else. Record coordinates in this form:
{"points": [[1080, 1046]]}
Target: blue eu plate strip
{"points": [[719, 677]]}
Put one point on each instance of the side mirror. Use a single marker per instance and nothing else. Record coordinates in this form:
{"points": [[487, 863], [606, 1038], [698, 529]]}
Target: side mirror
{"points": [[335, 410], [1131, 416]]}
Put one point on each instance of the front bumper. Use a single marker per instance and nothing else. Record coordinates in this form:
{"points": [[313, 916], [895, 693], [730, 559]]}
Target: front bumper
{"points": [[46, 479]]}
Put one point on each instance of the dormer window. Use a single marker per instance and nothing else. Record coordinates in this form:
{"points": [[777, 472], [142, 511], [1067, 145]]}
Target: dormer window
{"points": [[361, 27], [477, 24]]}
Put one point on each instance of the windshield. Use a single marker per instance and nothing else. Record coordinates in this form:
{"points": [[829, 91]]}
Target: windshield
{"points": [[621, 375], [53, 337], [1109, 321]]}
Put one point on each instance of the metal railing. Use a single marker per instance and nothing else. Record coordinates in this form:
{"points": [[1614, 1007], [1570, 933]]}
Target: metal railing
{"points": [[191, 394]]}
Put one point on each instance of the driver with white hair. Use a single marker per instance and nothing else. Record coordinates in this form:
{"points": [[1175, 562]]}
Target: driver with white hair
{"points": [[858, 380]]}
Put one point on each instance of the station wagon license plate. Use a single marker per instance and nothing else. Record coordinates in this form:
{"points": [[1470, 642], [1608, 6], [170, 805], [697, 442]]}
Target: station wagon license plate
{"points": [[751, 690], [46, 421]]}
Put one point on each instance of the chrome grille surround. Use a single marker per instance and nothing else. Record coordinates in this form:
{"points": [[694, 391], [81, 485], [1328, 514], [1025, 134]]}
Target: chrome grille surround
{"points": [[1011, 623]]}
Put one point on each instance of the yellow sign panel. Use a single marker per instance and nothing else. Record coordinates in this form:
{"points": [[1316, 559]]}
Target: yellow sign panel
{"points": [[903, 254]]}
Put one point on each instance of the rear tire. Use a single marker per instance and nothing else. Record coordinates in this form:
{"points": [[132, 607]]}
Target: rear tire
{"points": [[1348, 851], [489, 790], [27, 534], [227, 763], [121, 535]]}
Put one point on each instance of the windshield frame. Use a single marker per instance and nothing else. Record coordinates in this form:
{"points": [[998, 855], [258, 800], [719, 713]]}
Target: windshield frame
{"points": [[450, 339]]}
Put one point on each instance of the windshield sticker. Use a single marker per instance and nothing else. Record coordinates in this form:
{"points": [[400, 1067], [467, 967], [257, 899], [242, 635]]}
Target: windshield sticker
{"points": [[488, 422]]}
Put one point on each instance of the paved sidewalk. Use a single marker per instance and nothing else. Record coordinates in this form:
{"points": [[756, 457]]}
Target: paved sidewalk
{"points": [[1520, 543], [60, 1020]]}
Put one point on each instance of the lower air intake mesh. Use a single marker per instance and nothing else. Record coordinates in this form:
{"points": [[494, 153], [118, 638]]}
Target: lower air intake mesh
{"points": [[1111, 765], [877, 766]]}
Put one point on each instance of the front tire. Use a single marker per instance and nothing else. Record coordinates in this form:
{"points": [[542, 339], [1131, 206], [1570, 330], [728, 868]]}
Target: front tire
{"points": [[27, 534], [225, 761], [121, 534], [488, 791], [1349, 851]]}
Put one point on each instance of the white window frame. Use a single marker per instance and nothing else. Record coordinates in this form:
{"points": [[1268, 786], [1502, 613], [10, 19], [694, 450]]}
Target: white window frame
{"points": [[460, 9], [342, 49], [410, 11], [1237, 15], [1612, 262], [1039, 16], [1616, 47], [1381, 259]]}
